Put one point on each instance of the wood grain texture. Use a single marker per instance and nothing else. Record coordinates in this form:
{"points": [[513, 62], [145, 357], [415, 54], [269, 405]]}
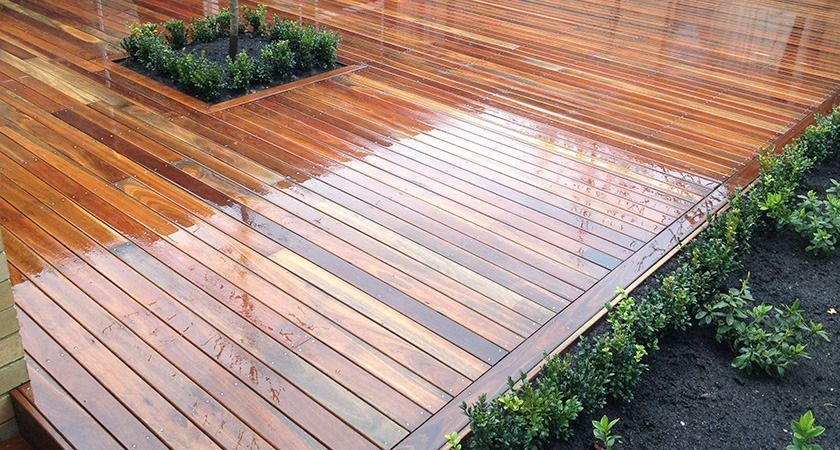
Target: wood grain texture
{"points": [[341, 262]]}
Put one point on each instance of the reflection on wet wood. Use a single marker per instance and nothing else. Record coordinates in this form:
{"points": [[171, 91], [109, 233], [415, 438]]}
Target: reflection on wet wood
{"points": [[341, 263]]}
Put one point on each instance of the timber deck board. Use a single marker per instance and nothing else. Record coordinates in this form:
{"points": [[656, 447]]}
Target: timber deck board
{"points": [[340, 264]]}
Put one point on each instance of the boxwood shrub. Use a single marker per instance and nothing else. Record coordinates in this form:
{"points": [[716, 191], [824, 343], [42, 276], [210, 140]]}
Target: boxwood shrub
{"points": [[609, 365], [291, 47]]}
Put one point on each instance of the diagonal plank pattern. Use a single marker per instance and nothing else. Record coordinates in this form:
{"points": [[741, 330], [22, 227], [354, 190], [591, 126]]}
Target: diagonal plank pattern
{"points": [[339, 265]]}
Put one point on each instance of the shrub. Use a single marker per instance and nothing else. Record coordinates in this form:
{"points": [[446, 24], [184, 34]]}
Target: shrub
{"points": [[150, 53], [149, 49], [652, 320], [776, 206], [815, 219], [670, 306], [728, 313], [199, 76], [276, 59], [714, 254], [220, 23], [240, 71], [285, 30], [620, 351], [138, 37], [255, 18], [766, 338], [777, 183], [325, 48], [160, 58], [579, 373], [177, 30], [305, 51], [311, 48], [526, 417], [804, 432], [818, 220], [820, 140], [203, 29], [774, 342]]}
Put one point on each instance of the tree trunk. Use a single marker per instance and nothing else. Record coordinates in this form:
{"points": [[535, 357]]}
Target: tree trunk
{"points": [[234, 29]]}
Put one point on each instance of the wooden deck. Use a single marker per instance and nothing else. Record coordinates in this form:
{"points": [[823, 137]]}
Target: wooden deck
{"points": [[341, 264]]}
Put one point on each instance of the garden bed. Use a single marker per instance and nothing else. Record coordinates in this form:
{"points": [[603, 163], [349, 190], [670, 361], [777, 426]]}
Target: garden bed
{"points": [[216, 52], [691, 396], [194, 57]]}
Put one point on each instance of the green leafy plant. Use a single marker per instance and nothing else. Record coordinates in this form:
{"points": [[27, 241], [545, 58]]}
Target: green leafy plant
{"points": [[276, 59], [777, 183], [220, 23], [178, 32], [325, 48], [820, 140], [203, 29], [255, 18], [603, 431], [285, 30], [715, 253], [149, 49], [211, 28], [154, 55], [776, 207], [728, 313], [453, 441], [303, 41], [240, 71], [306, 48], [579, 373], [621, 353], [526, 417], [138, 37], [774, 338], [818, 220], [669, 306], [804, 432], [199, 76], [764, 337]]}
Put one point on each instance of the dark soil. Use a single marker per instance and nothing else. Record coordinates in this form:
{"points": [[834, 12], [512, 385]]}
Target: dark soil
{"points": [[691, 398], [217, 52]]}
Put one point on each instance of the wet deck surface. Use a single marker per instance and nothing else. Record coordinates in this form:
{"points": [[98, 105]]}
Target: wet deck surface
{"points": [[341, 264]]}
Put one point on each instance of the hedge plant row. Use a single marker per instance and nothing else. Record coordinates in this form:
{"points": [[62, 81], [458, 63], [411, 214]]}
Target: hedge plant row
{"points": [[609, 365], [290, 48]]}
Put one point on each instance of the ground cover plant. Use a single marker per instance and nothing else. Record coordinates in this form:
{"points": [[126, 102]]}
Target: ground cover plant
{"points": [[607, 367], [603, 432], [763, 336], [805, 432], [194, 56], [818, 219]]}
